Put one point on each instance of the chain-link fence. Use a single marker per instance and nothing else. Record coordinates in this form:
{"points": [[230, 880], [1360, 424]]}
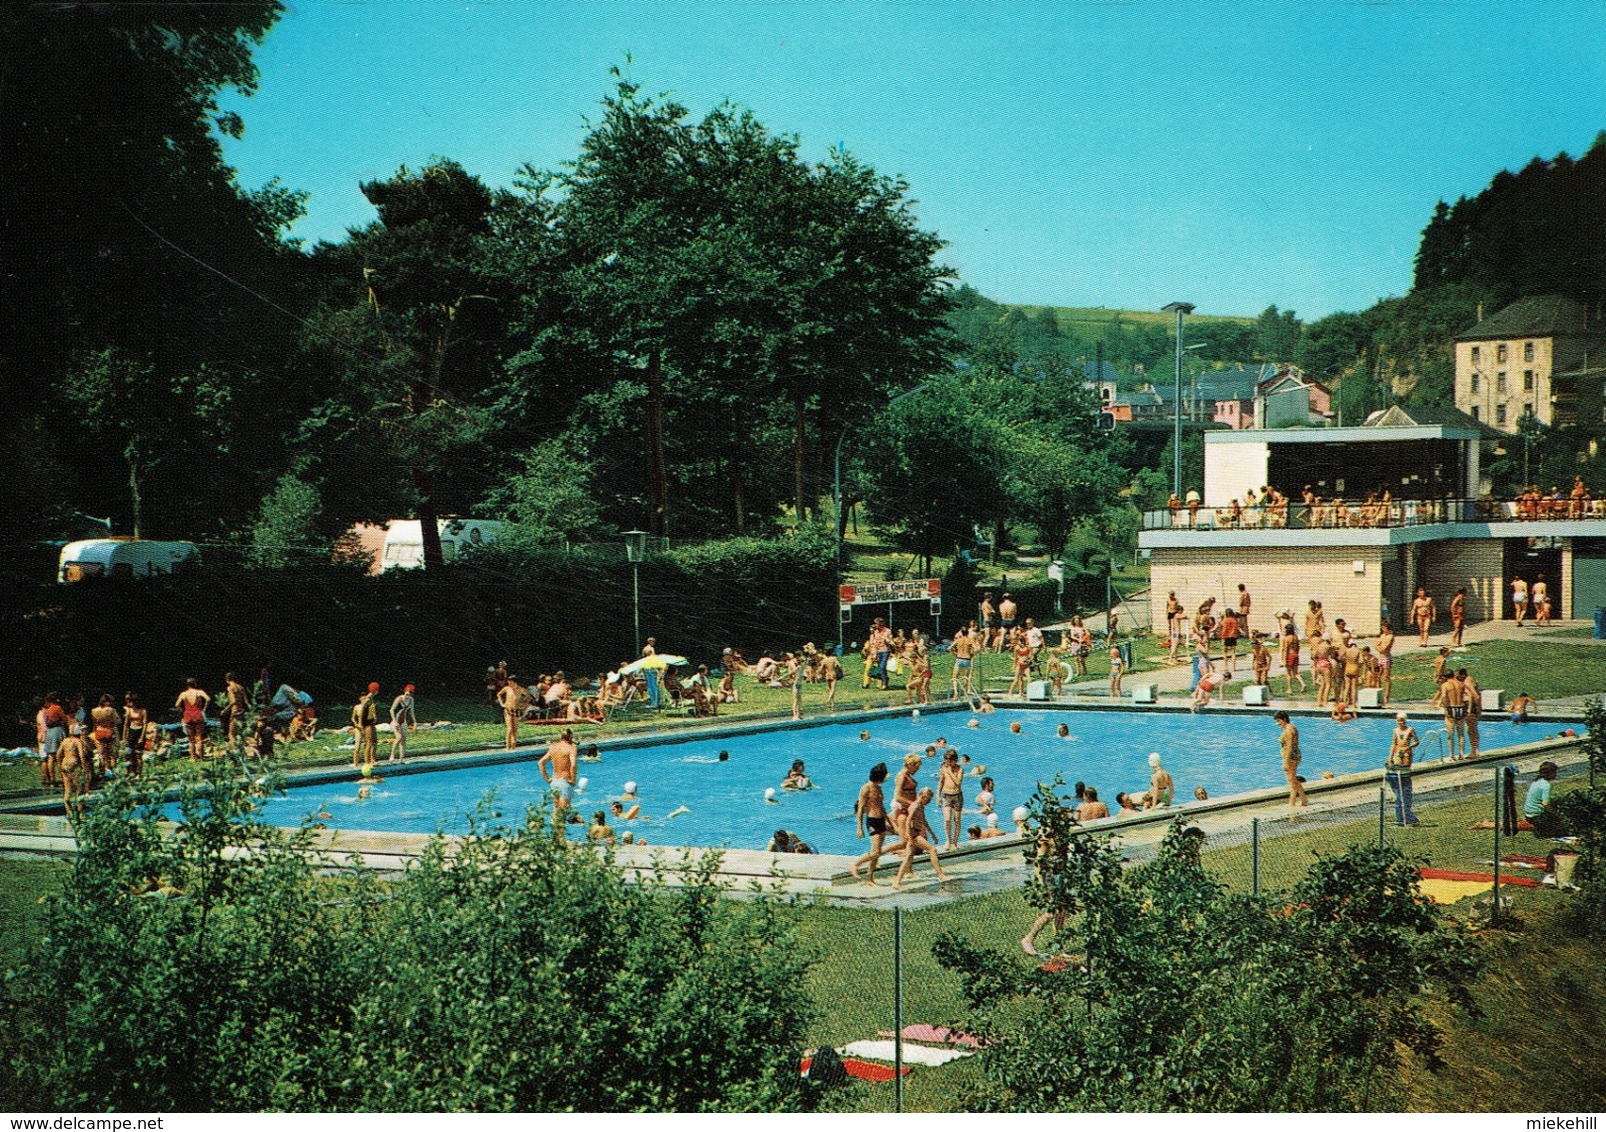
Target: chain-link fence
{"points": [[1465, 837]]}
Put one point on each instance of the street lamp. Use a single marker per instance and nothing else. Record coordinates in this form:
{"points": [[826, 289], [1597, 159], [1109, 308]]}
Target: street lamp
{"points": [[836, 490], [1179, 309], [635, 551]]}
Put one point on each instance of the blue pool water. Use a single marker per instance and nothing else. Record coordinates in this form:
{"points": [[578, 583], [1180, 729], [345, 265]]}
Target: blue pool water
{"points": [[1226, 754]]}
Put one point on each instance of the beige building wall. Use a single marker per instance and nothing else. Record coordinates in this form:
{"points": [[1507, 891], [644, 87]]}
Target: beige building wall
{"points": [[1277, 578], [1444, 567], [1488, 397]]}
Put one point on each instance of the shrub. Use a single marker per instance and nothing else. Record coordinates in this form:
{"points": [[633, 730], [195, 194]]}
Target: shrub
{"points": [[1173, 995], [222, 969]]}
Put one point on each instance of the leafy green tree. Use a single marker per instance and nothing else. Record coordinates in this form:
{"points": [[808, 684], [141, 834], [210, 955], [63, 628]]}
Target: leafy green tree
{"points": [[707, 267], [123, 234], [550, 500], [288, 531], [933, 469], [1169, 994], [225, 967], [1276, 335], [412, 329]]}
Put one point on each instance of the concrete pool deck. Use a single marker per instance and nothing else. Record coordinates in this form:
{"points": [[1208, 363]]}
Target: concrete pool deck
{"points": [[974, 867]]}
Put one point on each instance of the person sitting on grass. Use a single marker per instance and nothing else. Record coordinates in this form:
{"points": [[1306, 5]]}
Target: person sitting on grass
{"points": [[1537, 809]]}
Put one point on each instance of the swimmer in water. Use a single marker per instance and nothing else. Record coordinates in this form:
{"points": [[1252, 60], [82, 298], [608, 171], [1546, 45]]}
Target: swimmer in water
{"points": [[629, 794], [797, 778], [677, 811], [986, 705], [769, 796], [619, 811], [974, 723], [1063, 731], [590, 754], [1014, 728], [941, 742], [1200, 794], [864, 735]]}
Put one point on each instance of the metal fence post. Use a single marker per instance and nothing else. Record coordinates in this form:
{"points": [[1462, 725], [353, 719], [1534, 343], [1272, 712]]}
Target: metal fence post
{"points": [[1254, 856], [1382, 815], [1499, 816], [897, 1007]]}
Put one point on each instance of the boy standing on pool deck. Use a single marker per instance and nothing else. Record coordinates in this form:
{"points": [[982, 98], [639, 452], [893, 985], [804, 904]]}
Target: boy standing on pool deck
{"points": [[870, 811], [1397, 772], [1116, 668]]}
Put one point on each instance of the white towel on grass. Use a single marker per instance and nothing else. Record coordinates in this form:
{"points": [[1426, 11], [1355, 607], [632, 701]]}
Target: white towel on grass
{"points": [[912, 1054]]}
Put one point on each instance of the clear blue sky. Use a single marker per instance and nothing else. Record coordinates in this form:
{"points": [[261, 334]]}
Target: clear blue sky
{"points": [[1231, 155]]}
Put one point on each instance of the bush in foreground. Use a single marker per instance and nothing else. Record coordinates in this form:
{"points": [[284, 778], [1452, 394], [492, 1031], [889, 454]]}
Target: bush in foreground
{"points": [[1169, 994], [226, 968]]}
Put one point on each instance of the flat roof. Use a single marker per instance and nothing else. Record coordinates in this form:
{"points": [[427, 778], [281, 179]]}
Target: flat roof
{"points": [[1359, 434]]}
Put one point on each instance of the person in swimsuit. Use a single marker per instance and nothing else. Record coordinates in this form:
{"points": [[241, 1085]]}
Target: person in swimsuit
{"points": [[989, 620], [1173, 625], [1423, 614], [1458, 617], [105, 724], [1260, 659], [1519, 600], [1291, 662], [365, 722], [1540, 601], [1006, 620], [1385, 659], [951, 789], [1229, 641], [870, 812], [1321, 662], [135, 720], [1397, 771], [1023, 664], [1291, 756], [966, 646], [917, 836], [403, 719], [1454, 696], [73, 757], [1244, 602], [563, 757], [234, 711], [512, 699], [191, 704], [1473, 696]]}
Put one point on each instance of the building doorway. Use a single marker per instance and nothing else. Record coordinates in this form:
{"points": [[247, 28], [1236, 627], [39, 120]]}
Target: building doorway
{"points": [[1530, 560]]}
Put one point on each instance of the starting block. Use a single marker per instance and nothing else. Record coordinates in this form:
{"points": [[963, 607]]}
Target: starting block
{"points": [[1369, 697], [1143, 693], [1494, 699], [1037, 690], [1256, 695]]}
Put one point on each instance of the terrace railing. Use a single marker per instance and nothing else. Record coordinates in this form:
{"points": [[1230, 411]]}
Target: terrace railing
{"points": [[1356, 515]]}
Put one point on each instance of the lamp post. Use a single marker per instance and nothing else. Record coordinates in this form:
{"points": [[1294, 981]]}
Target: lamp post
{"points": [[1179, 309], [836, 489], [636, 550]]}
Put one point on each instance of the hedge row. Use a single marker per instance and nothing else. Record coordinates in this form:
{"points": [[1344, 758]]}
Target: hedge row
{"points": [[330, 629]]}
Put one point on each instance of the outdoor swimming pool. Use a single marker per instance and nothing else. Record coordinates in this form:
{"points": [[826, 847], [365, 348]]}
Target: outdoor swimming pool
{"points": [[1226, 754]]}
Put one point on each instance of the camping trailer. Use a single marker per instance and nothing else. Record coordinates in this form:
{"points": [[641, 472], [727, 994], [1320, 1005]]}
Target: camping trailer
{"points": [[121, 558], [404, 541]]}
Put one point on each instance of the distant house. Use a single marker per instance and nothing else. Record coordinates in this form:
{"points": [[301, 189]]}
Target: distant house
{"points": [[1543, 356], [1289, 398]]}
